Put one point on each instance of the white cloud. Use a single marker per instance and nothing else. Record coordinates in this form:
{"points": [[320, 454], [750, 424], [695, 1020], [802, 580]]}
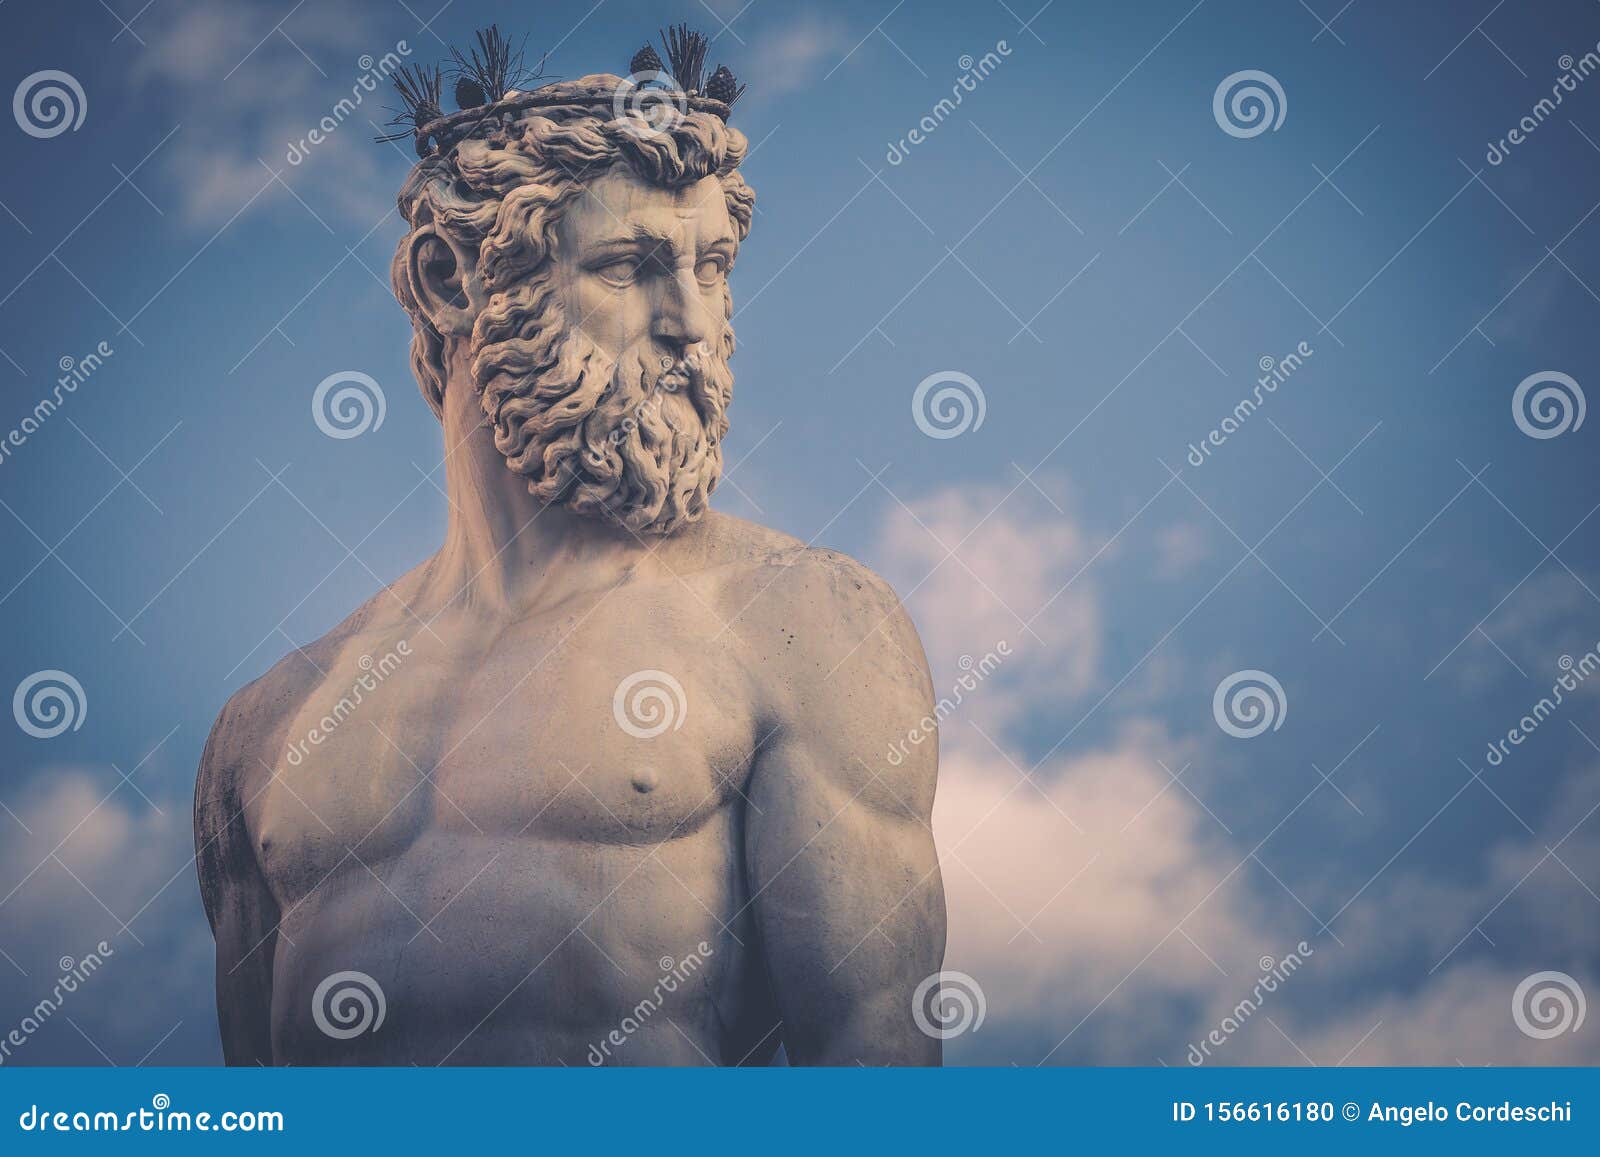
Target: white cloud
{"points": [[1015, 577], [87, 864], [1109, 917], [244, 91], [791, 57], [1128, 940]]}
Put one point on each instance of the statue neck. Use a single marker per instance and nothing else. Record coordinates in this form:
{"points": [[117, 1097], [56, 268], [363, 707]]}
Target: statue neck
{"points": [[504, 550]]}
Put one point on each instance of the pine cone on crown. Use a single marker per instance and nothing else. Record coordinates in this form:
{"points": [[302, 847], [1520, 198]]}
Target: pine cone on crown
{"points": [[645, 60], [723, 86], [470, 94]]}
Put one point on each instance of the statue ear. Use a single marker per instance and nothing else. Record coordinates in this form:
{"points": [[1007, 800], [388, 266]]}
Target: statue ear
{"points": [[443, 280]]}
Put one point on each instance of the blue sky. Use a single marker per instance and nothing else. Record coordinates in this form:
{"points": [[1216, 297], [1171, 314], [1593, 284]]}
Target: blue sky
{"points": [[1085, 242]]}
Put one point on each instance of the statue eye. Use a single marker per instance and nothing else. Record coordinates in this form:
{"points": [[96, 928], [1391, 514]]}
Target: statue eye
{"points": [[623, 271], [710, 269]]}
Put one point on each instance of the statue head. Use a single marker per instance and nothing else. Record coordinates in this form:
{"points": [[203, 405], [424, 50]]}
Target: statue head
{"points": [[568, 253]]}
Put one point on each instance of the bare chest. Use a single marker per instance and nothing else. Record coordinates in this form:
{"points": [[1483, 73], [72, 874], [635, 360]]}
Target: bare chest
{"points": [[626, 733]]}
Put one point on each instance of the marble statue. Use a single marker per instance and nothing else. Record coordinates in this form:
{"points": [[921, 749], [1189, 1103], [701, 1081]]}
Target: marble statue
{"points": [[601, 781]]}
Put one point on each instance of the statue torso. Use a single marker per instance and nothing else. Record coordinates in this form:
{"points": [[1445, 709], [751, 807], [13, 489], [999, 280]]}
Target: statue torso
{"points": [[513, 858]]}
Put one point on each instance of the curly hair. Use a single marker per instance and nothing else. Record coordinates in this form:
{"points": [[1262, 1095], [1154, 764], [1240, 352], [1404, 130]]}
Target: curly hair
{"points": [[502, 195]]}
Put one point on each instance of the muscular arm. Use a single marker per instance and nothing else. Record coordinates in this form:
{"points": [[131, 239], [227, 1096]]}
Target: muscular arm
{"points": [[840, 857], [242, 912]]}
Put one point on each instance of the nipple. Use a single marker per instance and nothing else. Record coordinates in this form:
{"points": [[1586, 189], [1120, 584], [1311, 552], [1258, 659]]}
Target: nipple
{"points": [[645, 780]]}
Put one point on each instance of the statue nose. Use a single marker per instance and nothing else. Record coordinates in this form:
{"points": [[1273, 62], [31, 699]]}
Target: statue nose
{"points": [[680, 319]]}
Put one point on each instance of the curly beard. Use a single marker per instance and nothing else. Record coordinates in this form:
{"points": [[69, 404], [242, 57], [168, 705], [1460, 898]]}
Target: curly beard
{"points": [[597, 434]]}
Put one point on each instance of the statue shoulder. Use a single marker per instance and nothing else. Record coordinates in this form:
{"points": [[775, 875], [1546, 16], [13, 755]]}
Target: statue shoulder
{"points": [[249, 725], [246, 728], [838, 618]]}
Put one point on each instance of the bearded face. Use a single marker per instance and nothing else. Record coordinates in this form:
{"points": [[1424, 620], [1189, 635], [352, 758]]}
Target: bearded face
{"points": [[605, 372], [580, 259]]}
